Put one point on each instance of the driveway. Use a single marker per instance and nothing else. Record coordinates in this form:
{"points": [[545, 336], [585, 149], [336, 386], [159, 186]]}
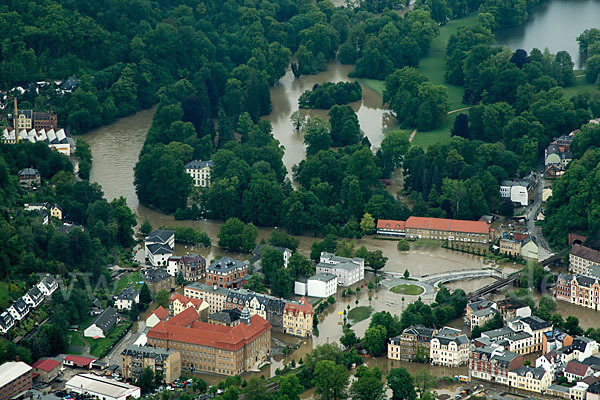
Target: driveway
{"points": [[114, 355], [531, 211]]}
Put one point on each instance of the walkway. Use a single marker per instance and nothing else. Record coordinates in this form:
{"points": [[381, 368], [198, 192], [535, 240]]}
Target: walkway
{"points": [[443, 277]]}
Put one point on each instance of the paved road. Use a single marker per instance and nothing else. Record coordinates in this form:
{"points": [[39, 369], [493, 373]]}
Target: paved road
{"points": [[531, 211], [114, 356]]}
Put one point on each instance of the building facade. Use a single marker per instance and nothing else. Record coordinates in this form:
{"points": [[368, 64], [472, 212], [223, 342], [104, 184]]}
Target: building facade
{"points": [[45, 120], [217, 349], [493, 363], [582, 257], [298, 318], [321, 285], [15, 378], [227, 273], [134, 359], [510, 247], [215, 296], [192, 266], [47, 369], [530, 379], [179, 303], [157, 279], [268, 307], [200, 172], [127, 298], [448, 229], [449, 348], [348, 270], [412, 345]]}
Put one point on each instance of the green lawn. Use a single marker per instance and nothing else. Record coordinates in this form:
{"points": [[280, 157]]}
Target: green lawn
{"points": [[126, 280], [100, 347], [358, 314], [374, 84], [75, 340], [4, 295], [441, 134], [580, 86], [407, 289]]}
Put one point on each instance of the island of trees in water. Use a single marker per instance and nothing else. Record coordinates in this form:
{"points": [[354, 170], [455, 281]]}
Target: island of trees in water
{"points": [[329, 94]]}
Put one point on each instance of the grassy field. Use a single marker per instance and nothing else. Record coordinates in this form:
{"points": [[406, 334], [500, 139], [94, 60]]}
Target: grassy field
{"points": [[75, 340], [441, 134], [358, 314], [374, 84], [410, 290], [126, 280], [580, 86], [100, 347]]}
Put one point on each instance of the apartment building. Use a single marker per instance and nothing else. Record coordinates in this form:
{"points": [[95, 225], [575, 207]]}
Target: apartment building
{"points": [[348, 270], [298, 318], [493, 363], [134, 359], [216, 349], [580, 290], [227, 273], [449, 348], [215, 296], [412, 345], [15, 378], [530, 379], [179, 303], [200, 172], [582, 257], [533, 325], [268, 307], [510, 247], [157, 279]]}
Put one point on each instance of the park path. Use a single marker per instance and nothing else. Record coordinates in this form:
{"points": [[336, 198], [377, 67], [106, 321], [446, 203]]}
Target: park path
{"points": [[412, 135], [459, 109]]}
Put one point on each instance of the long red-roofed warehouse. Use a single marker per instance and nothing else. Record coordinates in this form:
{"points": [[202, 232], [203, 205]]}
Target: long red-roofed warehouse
{"points": [[218, 349], [437, 228]]}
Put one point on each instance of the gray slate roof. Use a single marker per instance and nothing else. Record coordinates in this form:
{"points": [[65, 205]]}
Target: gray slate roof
{"points": [[157, 248], [160, 235], [155, 275], [157, 354], [107, 319], [322, 277], [198, 164], [226, 264]]}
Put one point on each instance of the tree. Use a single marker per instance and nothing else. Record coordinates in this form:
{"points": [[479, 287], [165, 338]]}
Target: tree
{"points": [[282, 239], [592, 69], [316, 135], [162, 298], [290, 387], [572, 327], [367, 224], [330, 379], [349, 338], [403, 245], [394, 146], [146, 227], [180, 280], [255, 390], [375, 338], [461, 126], [424, 381], [146, 380], [402, 384], [298, 119], [300, 266], [145, 295], [368, 386], [345, 129], [199, 385], [234, 235]]}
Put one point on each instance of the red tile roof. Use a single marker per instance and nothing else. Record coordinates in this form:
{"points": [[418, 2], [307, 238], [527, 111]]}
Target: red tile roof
{"points": [[391, 224], [161, 313], [79, 360], [450, 225], [184, 318], [205, 334], [520, 236], [47, 364], [185, 300], [294, 308], [576, 368]]}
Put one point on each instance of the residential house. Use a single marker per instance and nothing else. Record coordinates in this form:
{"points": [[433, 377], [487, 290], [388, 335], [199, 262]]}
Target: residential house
{"points": [[321, 285], [134, 359], [47, 285], [157, 279], [156, 316], [215, 296], [480, 317], [34, 297], [67, 228], [592, 361], [159, 246], [45, 120], [7, 321], [449, 348], [173, 265], [518, 191], [68, 86], [46, 369], [258, 250], [549, 361], [179, 303], [389, 227], [581, 257], [217, 349], [200, 172], [448, 229], [29, 178], [19, 309], [15, 378], [412, 345], [477, 306], [530, 379], [298, 318], [268, 307], [126, 299], [529, 248], [593, 392], [192, 266], [510, 247], [348, 270], [533, 325], [227, 272], [511, 309], [24, 119], [580, 349], [102, 324], [576, 371], [493, 363], [555, 340]]}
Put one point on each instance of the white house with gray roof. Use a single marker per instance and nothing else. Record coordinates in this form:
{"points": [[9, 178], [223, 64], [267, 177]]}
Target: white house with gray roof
{"points": [[159, 247], [126, 299], [102, 324], [449, 348], [348, 270], [200, 172], [322, 285]]}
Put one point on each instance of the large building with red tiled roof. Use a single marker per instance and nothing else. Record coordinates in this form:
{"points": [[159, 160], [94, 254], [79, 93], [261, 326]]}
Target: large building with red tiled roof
{"points": [[390, 227], [217, 349], [46, 369], [298, 318], [448, 229]]}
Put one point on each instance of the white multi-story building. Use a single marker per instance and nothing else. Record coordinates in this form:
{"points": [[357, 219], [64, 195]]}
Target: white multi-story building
{"points": [[533, 325], [322, 285], [520, 192], [530, 379], [348, 270], [200, 172], [449, 348], [126, 299], [581, 258]]}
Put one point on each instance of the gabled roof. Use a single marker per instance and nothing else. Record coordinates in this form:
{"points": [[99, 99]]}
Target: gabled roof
{"points": [[161, 313], [21, 306], [106, 320], [157, 354], [184, 318], [537, 373], [450, 225], [46, 364], [391, 224], [28, 171], [302, 306], [576, 368], [35, 294], [160, 235], [129, 293], [586, 253], [79, 360], [226, 265], [198, 164], [228, 315], [186, 300], [155, 274], [157, 248]]}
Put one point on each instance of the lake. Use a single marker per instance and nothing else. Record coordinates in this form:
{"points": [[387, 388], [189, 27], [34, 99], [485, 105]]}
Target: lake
{"points": [[554, 24]]}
